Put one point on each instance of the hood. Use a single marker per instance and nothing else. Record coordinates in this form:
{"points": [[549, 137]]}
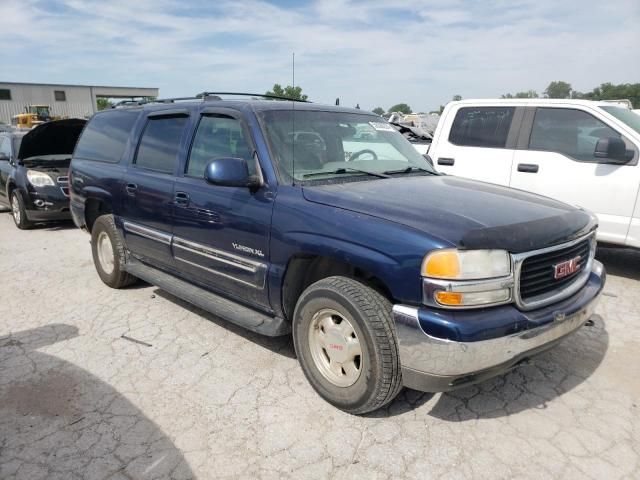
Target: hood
{"points": [[58, 137], [466, 213]]}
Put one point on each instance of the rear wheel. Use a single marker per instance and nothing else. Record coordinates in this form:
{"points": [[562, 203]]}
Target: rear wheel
{"points": [[345, 341], [108, 252], [18, 211]]}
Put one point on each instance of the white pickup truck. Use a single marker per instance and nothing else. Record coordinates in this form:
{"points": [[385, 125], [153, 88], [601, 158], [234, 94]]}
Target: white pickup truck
{"points": [[581, 152]]}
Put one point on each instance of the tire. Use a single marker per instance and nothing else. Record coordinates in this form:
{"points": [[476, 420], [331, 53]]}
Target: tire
{"points": [[327, 350], [108, 253], [18, 212]]}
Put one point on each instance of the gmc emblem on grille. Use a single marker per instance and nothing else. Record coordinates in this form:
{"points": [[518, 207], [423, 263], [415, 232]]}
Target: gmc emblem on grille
{"points": [[564, 269]]}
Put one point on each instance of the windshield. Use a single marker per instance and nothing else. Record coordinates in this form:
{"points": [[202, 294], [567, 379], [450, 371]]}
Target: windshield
{"points": [[17, 140], [625, 115], [326, 145]]}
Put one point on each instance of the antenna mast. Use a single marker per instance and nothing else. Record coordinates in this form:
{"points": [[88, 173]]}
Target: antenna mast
{"points": [[293, 119]]}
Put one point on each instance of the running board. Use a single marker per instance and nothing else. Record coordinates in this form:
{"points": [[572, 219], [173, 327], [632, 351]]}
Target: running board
{"points": [[227, 309]]}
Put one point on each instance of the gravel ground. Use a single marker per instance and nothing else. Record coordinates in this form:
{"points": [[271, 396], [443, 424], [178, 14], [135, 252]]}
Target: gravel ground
{"points": [[98, 383]]}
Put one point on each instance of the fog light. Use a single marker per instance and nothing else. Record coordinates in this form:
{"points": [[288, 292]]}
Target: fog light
{"points": [[39, 203]]}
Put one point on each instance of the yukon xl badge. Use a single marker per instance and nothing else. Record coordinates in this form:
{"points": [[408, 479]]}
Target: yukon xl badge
{"points": [[250, 250], [564, 269]]}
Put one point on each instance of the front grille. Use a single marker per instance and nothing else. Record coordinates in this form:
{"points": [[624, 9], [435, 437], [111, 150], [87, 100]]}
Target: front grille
{"points": [[537, 272]]}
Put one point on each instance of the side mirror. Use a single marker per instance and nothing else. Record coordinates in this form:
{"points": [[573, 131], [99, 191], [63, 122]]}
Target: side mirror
{"points": [[230, 172], [614, 149]]}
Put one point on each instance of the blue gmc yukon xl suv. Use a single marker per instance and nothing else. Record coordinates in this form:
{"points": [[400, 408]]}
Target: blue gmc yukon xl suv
{"points": [[324, 223]]}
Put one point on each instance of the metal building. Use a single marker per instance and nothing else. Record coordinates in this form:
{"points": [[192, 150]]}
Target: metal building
{"points": [[64, 100]]}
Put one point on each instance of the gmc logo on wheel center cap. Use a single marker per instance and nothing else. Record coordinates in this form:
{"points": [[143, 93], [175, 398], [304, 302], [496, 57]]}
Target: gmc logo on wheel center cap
{"points": [[564, 269]]}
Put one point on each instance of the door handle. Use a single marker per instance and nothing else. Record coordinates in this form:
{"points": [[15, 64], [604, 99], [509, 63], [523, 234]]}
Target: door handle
{"points": [[131, 188], [446, 161], [181, 199], [528, 167]]}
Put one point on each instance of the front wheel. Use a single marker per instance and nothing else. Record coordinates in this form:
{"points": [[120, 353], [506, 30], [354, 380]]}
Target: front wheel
{"points": [[18, 211], [345, 341]]}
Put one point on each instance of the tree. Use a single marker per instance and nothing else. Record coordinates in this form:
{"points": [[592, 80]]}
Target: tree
{"points": [[558, 89], [457, 98], [378, 111], [609, 91], [103, 103], [527, 94], [295, 93], [401, 107]]}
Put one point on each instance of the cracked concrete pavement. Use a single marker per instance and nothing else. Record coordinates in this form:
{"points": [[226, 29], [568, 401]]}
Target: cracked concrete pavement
{"points": [[186, 395]]}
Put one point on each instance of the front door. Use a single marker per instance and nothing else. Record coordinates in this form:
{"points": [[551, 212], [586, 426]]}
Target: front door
{"points": [[148, 188], [559, 162], [5, 167], [477, 145], [221, 234]]}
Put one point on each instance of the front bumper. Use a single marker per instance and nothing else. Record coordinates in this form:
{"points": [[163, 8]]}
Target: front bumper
{"points": [[42, 206], [435, 364]]}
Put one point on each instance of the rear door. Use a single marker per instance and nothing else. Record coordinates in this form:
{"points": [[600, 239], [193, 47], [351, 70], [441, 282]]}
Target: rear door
{"points": [[221, 234], [556, 159], [477, 142], [148, 187]]}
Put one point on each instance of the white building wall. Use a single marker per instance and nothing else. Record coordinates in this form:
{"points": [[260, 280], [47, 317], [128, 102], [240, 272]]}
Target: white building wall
{"points": [[80, 99]]}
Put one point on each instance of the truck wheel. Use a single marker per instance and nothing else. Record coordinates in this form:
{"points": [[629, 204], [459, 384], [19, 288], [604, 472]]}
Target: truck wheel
{"points": [[345, 341], [18, 211], [108, 253]]}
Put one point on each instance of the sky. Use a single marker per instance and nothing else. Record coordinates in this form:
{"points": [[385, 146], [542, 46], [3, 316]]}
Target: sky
{"points": [[372, 53]]}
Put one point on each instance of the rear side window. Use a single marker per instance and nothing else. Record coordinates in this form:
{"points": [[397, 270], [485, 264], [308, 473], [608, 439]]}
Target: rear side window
{"points": [[217, 137], [160, 142], [571, 132], [105, 136], [481, 126]]}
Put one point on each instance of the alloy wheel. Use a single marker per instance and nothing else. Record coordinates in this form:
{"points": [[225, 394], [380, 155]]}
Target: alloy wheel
{"points": [[335, 348]]}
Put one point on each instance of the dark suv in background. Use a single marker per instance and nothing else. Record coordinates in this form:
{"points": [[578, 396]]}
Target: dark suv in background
{"points": [[33, 171], [325, 222]]}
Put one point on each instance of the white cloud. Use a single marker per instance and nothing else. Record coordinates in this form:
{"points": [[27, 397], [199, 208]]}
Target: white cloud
{"points": [[374, 53]]}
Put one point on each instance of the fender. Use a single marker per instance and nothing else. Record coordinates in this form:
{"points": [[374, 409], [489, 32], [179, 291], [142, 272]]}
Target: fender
{"points": [[391, 252]]}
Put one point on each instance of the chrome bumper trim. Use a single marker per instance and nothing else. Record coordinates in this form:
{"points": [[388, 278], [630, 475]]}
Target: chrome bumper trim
{"points": [[440, 357]]}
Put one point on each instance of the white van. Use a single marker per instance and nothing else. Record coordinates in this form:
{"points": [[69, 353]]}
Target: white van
{"points": [[581, 152]]}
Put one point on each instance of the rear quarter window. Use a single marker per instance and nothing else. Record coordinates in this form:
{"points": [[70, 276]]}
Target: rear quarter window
{"points": [[105, 136], [481, 126]]}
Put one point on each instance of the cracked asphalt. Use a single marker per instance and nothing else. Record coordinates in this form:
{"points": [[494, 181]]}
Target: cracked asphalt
{"points": [[97, 383]]}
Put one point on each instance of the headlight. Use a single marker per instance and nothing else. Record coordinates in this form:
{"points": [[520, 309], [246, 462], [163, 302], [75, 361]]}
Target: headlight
{"points": [[467, 278], [39, 179], [454, 264]]}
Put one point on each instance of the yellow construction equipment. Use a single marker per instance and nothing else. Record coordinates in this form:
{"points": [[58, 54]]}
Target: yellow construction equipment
{"points": [[34, 115], [25, 120]]}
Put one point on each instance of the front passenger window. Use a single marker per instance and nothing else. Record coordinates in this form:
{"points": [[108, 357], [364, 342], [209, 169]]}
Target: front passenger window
{"points": [[218, 136], [571, 132]]}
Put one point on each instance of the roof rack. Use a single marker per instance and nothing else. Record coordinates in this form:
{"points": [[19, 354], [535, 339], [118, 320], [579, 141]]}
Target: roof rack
{"points": [[260, 95], [215, 96]]}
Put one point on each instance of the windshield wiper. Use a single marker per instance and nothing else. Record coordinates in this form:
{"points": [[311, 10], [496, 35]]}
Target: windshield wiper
{"points": [[409, 170], [340, 171]]}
